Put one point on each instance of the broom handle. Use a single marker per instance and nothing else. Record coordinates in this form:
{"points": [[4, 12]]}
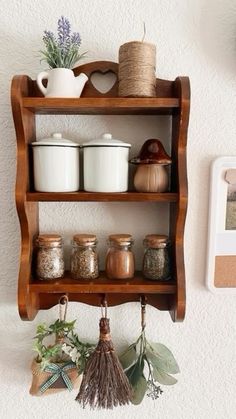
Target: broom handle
{"points": [[104, 307]]}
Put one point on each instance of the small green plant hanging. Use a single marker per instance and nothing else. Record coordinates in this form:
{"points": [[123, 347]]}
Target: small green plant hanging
{"points": [[58, 365], [147, 365]]}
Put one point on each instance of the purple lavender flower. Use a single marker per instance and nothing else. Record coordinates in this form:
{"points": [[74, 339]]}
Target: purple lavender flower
{"points": [[76, 39], [48, 36], [63, 51], [63, 34]]}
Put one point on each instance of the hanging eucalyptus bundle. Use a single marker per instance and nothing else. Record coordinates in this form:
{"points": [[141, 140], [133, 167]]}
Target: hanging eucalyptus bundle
{"points": [[104, 383], [147, 365]]}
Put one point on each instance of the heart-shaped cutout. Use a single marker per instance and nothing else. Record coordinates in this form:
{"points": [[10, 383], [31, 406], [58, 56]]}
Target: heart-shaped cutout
{"points": [[103, 82]]}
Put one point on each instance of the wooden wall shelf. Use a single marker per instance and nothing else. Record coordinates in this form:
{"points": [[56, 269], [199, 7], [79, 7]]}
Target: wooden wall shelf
{"points": [[173, 99], [102, 197]]}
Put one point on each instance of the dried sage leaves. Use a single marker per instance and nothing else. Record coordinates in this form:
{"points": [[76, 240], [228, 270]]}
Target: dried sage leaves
{"points": [[147, 365]]}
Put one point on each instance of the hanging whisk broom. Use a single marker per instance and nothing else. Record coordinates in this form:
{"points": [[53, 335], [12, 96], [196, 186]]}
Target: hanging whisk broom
{"points": [[104, 383]]}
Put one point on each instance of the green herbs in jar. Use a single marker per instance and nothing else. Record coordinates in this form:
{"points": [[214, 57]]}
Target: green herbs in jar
{"points": [[156, 261]]}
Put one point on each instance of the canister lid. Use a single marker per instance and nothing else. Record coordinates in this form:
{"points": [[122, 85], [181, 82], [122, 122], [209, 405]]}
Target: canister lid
{"points": [[84, 238], [49, 238], [156, 240], [121, 238], [106, 141], [55, 140]]}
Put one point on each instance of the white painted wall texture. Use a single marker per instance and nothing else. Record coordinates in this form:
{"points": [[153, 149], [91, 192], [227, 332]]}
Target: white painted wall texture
{"points": [[195, 38]]}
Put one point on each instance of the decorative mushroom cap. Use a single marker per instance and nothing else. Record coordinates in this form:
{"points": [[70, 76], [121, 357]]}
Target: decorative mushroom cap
{"points": [[152, 152]]}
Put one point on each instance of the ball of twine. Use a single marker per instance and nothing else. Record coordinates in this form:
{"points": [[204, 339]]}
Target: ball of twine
{"points": [[137, 63]]}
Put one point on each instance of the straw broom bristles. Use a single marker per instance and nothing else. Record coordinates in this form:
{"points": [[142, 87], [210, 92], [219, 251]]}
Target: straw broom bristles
{"points": [[104, 383]]}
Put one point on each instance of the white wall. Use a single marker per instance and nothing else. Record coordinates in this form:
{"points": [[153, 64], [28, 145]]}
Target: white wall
{"points": [[195, 38]]}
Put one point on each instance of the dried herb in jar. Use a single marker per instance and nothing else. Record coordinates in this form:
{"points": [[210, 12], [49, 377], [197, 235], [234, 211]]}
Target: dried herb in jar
{"points": [[50, 260], [156, 261], [84, 258]]}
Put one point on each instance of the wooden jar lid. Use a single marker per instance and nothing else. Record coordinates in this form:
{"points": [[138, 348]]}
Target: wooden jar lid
{"points": [[156, 240], [49, 238], [121, 238], [84, 238]]}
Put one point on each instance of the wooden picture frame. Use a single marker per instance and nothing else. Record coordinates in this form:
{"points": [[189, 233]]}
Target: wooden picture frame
{"points": [[221, 252]]}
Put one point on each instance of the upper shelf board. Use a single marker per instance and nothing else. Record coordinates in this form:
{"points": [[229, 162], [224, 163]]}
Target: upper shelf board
{"points": [[96, 106]]}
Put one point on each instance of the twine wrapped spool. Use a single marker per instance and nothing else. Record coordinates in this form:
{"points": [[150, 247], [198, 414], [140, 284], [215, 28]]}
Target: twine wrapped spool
{"points": [[137, 64]]}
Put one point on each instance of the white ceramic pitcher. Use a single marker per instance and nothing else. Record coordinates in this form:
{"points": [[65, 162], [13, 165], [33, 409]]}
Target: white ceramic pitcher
{"points": [[61, 83]]}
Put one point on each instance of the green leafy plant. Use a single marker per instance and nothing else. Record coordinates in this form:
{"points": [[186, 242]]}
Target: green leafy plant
{"points": [[78, 351], [62, 51], [147, 365], [67, 345], [60, 328]]}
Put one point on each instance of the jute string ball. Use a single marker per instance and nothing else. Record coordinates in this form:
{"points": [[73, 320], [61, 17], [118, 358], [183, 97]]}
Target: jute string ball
{"points": [[137, 64]]}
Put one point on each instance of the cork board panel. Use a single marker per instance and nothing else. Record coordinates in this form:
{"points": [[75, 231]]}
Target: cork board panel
{"points": [[225, 271]]}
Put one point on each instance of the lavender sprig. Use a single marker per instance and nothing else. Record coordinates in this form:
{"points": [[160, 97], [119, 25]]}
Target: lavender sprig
{"points": [[64, 34], [48, 37], [76, 39], [63, 51]]}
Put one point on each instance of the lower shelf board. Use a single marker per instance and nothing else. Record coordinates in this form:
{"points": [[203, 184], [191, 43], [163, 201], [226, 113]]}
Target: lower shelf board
{"points": [[83, 196], [137, 285]]}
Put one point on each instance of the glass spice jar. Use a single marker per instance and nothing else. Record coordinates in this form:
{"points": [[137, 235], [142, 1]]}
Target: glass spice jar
{"points": [[156, 261], [84, 257], [120, 258], [50, 260]]}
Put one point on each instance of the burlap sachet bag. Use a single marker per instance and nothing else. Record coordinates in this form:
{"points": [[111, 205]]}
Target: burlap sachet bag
{"points": [[58, 366], [54, 378]]}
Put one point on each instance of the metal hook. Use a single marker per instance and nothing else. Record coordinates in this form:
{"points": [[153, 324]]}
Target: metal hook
{"points": [[63, 301], [104, 306], [143, 301]]}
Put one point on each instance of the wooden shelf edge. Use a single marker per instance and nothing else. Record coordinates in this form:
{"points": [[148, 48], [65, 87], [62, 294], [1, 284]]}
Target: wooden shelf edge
{"points": [[24, 122], [99, 105], [101, 286], [178, 213], [163, 302], [82, 196], [159, 294]]}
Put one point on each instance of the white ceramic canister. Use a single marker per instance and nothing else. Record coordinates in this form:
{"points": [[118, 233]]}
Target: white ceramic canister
{"points": [[56, 164], [106, 165]]}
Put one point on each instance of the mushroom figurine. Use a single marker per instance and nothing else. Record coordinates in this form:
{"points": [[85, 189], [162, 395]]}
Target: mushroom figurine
{"points": [[152, 174]]}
